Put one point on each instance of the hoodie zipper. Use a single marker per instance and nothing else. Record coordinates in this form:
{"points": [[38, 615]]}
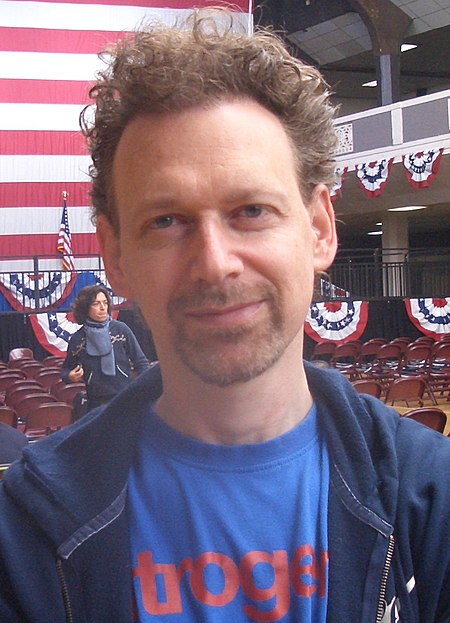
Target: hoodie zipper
{"points": [[64, 591], [384, 577]]}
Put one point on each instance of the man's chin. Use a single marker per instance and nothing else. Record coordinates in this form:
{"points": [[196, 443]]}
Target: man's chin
{"points": [[231, 363]]}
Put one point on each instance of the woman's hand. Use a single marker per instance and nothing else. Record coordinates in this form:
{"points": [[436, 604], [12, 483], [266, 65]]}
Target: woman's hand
{"points": [[76, 375]]}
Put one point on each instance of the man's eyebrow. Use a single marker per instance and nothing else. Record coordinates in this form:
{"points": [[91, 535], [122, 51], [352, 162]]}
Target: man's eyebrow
{"points": [[172, 201]]}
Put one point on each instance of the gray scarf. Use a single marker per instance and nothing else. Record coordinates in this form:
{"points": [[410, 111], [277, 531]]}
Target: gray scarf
{"points": [[98, 343]]}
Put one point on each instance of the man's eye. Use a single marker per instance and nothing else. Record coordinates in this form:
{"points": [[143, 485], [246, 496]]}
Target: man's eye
{"points": [[253, 211], [163, 222]]}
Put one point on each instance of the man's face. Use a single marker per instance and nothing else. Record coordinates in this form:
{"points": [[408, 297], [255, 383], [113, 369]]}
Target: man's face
{"points": [[98, 309], [215, 244]]}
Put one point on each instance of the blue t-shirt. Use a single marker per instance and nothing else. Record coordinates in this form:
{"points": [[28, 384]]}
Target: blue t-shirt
{"points": [[229, 533]]}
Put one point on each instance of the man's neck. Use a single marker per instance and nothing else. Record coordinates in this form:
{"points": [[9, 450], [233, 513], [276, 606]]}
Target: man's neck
{"points": [[251, 412]]}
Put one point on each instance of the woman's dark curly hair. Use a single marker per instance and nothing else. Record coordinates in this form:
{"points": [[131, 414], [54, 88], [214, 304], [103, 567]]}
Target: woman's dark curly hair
{"points": [[162, 69], [85, 297]]}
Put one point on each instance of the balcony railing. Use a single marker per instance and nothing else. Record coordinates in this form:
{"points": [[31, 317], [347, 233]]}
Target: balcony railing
{"points": [[399, 273], [358, 274]]}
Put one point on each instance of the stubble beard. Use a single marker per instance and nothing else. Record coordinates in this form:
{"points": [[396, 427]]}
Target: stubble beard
{"points": [[224, 356]]}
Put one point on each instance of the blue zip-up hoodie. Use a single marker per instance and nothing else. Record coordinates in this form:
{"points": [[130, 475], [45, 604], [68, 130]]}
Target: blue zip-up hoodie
{"points": [[64, 549]]}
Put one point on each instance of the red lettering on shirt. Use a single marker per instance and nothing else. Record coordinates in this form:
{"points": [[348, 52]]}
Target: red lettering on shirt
{"points": [[279, 589], [306, 574]]}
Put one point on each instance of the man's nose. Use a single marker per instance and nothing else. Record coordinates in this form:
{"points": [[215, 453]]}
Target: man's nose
{"points": [[216, 253]]}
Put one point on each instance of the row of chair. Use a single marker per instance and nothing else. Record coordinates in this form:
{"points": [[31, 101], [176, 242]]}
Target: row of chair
{"points": [[386, 361], [32, 395], [401, 389]]}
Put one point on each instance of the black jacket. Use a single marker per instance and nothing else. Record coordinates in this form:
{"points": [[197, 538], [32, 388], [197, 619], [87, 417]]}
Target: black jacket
{"points": [[100, 387]]}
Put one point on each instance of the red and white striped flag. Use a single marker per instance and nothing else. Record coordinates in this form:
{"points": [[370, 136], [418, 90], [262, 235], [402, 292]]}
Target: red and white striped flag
{"points": [[64, 244], [48, 59]]}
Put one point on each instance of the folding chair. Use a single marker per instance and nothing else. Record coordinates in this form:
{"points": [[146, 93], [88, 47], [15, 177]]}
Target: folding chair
{"points": [[430, 416]]}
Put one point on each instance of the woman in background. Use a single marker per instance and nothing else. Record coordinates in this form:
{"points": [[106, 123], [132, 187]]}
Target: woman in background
{"points": [[103, 352]]}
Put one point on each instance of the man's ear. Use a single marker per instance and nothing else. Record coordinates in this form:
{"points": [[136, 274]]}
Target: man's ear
{"points": [[110, 250], [323, 224]]}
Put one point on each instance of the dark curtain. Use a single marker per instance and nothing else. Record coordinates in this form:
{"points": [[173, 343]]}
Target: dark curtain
{"points": [[387, 319]]}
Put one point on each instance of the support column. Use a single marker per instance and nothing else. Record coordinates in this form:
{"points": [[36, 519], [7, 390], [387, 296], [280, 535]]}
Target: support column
{"points": [[395, 243], [387, 26]]}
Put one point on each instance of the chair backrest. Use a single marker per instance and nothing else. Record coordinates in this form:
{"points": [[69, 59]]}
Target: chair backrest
{"points": [[53, 361], [416, 358], [8, 416], [50, 416], [323, 350], [17, 394], [67, 393], [440, 359], [368, 386], [31, 368], [424, 339], [8, 377], [20, 383], [20, 353], [403, 342], [48, 377], [345, 352], [369, 348], [389, 355], [432, 417], [30, 402], [407, 390]]}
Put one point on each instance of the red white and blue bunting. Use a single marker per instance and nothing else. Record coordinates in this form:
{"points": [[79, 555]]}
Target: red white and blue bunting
{"points": [[53, 331], [430, 315], [422, 167], [373, 176], [337, 322], [26, 293], [336, 190]]}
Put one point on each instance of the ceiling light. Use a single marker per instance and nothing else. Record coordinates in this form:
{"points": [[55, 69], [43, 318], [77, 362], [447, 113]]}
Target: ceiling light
{"points": [[375, 233], [371, 83], [407, 209], [407, 46]]}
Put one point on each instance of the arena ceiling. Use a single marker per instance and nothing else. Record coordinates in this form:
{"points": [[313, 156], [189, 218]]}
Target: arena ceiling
{"points": [[332, 35]]}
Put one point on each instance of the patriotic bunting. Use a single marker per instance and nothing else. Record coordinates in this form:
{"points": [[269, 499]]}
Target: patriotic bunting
{"points": [[48, 290], [336, 190], [422, 167], [337, 321], [53, 331], [28, 292], [373, 176], [430, 315]]}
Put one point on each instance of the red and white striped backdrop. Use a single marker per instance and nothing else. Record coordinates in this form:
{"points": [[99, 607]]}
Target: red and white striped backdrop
{"points": [[48, 57]]}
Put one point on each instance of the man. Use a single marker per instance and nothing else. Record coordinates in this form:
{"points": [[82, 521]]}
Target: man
{"points": [[101, 352], [239, 487]]}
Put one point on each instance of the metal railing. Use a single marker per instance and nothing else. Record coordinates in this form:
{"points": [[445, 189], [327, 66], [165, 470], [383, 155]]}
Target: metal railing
{"points": [[397, 273], [357, 274]]}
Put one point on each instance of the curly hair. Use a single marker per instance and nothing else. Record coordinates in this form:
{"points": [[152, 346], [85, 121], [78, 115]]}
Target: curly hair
{"points": [[160, 69], [84, 299]]}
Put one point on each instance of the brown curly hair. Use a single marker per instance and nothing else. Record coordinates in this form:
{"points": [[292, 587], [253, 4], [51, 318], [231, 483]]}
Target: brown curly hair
{"points": [[84, 299], [160, 69]]}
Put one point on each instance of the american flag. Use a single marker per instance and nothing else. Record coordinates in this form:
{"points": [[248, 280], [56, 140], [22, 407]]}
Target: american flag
{"points": [[48, 59], [64, 245]]}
